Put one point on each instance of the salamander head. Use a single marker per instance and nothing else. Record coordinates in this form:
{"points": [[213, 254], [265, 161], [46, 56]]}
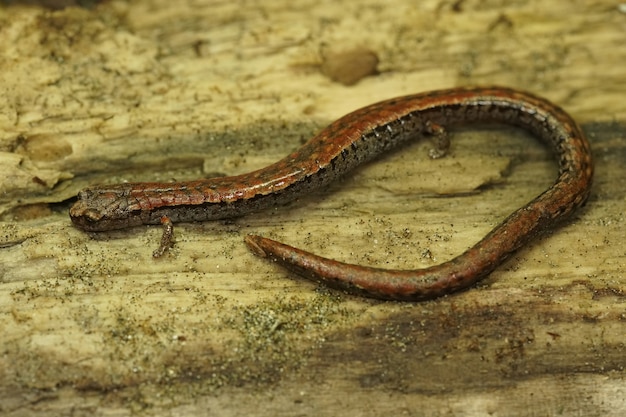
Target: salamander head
{"points": [[101, 209]]}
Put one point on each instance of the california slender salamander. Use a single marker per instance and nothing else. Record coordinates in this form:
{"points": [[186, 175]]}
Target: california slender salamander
{"points": [[346, 143]]}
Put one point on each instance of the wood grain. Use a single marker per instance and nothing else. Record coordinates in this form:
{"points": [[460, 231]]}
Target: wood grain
{"points": [[91, 324]]}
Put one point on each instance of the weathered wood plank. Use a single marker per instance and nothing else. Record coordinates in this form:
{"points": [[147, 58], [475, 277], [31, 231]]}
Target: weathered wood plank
{"points": [[161, 91]]}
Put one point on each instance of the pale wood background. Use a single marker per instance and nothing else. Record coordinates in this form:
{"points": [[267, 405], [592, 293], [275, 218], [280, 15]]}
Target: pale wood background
{"points": [[157, 90]]}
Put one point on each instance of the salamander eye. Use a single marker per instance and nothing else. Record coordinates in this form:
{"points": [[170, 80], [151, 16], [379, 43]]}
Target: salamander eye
{"points": [[92, 215]]}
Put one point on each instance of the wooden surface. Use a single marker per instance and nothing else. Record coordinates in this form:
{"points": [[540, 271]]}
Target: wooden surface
{"points": [[92, 325]]}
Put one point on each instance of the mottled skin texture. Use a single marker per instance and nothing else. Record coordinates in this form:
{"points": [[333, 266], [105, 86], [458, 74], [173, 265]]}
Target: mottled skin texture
{"points": [[345, 144]]}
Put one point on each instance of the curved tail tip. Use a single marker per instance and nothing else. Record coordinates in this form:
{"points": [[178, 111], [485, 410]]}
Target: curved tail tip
{"points": [[255, 244]]}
